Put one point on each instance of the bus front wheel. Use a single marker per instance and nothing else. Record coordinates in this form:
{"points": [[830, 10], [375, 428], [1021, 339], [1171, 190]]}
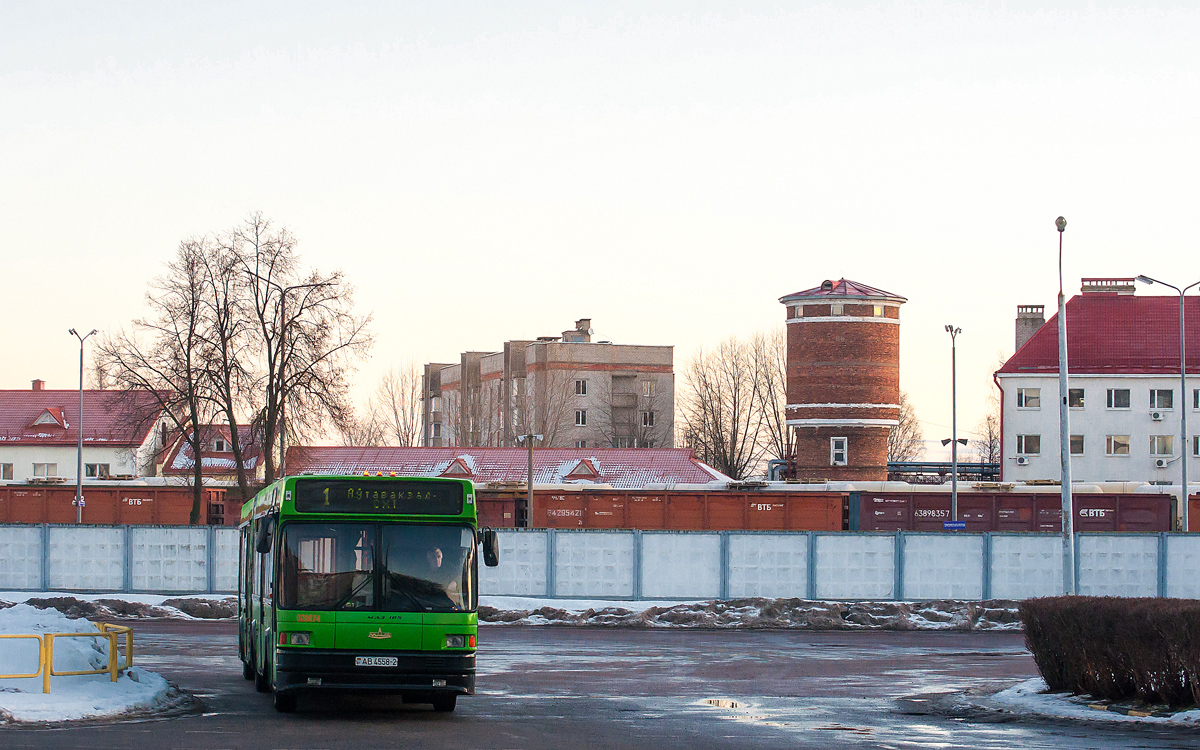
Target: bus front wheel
{"points": [[444, 703], [247, 670]]}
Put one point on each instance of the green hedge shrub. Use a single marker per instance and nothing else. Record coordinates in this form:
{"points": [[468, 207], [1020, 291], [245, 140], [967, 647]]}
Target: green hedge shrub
{"points": [[1117, 648]]}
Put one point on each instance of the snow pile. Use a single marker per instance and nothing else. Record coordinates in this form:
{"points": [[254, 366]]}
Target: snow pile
{"points": [[1031, 697], [105, 607], [70, 697], [758, 613]]}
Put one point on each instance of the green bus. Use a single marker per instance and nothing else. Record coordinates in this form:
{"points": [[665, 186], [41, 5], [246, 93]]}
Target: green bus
{"points": [[361, 583]]}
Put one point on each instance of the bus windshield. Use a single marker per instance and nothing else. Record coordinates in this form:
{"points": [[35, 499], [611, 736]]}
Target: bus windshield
{"points": [[379, 567]]}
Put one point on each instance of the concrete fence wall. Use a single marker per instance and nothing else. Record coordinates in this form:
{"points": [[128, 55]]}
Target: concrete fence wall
{"points": [[633, 565], [143, 559]]}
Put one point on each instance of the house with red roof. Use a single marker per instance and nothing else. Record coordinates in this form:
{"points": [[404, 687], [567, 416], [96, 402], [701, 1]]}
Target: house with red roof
{"points": [[620, 468], [40, 429], [216, 455], [1123, 391]]}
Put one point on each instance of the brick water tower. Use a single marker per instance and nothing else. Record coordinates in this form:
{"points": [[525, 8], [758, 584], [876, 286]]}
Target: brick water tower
{"points": [[843, 380]]}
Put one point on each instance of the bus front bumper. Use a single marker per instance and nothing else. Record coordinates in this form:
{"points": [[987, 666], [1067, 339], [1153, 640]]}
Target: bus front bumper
{"points": [[414, 672]]}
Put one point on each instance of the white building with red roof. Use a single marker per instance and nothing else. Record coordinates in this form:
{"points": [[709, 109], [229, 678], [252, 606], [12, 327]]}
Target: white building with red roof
{"points": [[1124, 399], [620, 468], [216, 455], [39, 434]]}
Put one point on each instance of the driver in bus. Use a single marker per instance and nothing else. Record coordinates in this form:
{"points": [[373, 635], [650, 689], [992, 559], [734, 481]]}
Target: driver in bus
{"points": [[443, 575]]}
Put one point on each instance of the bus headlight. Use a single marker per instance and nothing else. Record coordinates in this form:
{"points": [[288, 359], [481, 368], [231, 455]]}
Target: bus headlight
{"points": [[294, 639], [456, 641]]}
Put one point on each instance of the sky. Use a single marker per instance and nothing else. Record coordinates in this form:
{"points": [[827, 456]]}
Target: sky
{"points": [[491, 171]]}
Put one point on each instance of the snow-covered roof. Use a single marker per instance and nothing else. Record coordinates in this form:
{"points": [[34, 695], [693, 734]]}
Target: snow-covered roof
{"points": [[51, 417], [620, 468]]}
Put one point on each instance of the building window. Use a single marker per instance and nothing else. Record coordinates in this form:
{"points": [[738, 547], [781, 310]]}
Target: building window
{"points": [[1196, 398], [6, 471], [581, 417], [580, 443], [796, 311], [220, 445], [1161, 445], [45, 470], [580, 387], [837, 451], [1029, 398], [647, 387], [1075, 398], [835, 309], [1195, 447], [647, 419], [96, 471], [1029, 445], [1118, 398], [437, 429], [1161, 398], [1077, 445], [1116, 445], [877, 311], [621, 442], [647, 443]]}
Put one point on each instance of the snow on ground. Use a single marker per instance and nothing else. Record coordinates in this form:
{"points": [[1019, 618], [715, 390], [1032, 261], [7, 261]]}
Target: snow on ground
{"points": [[1029, 697], [134, 606], [71, 697]]}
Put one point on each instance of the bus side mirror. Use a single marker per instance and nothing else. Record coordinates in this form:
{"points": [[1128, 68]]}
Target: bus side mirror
{"points": [[262, 544], [491, 547]]}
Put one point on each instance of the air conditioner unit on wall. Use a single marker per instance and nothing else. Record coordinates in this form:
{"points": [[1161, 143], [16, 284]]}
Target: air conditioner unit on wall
{"points": [[1157, 416], [1022, 460], [1160, 463]]}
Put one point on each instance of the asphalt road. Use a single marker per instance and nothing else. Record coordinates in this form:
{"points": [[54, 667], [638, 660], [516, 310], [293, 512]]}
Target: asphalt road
{"points": [[543, 687]]}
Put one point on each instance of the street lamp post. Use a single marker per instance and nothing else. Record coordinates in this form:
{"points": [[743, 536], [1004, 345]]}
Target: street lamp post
{"points": [[953, 423], [1064, 429], [528, 440], [79, 431], [1183, 407]]}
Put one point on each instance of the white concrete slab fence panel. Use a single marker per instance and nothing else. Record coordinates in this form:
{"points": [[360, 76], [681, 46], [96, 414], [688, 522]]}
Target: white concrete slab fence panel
{"points": [[774, 566], [225, 559], [598, 564], [942, 566], [1026, 566], [86, 558], [855, 566], [681, 565], [523, 565], [21, 557], [1182, 577], [1117, 564], [169, 559]]}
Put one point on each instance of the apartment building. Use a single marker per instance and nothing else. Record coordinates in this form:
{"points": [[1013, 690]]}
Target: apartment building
{"points": [[1123, 392], [574, 392]]}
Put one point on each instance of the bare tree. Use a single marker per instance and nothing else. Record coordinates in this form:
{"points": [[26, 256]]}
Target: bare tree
{"points": [[985, 446], [545, 404], [721, 414], [365, 430], [906, 440], [628, 413], [163, 356], [770, 355], [228, 341], [396, 407], [307, 334]]}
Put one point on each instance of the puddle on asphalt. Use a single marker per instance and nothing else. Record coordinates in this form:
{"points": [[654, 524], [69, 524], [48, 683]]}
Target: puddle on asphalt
{"points": [[722, 703]]}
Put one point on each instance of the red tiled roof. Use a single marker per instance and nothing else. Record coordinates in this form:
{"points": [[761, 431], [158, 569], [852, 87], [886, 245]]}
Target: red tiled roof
{"points": [[104, 418], [623, 468], [842, 288], [180, 461], [1113, 333]]}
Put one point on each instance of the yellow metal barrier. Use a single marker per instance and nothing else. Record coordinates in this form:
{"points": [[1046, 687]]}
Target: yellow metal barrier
{"points": [[46, 653]]}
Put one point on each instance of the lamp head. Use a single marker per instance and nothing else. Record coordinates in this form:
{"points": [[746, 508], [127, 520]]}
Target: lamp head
{"points": [[1145, 279], [72, 332], [1061, 223]]}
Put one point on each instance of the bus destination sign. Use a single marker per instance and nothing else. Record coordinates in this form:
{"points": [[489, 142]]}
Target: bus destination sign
{"points": [[351, 496]]}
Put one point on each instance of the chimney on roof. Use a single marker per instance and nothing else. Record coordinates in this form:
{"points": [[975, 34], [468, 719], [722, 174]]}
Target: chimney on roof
{"points": [[1108, 286], [39, 385], [1029, 319]]}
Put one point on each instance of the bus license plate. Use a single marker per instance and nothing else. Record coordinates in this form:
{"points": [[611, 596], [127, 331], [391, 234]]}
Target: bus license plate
{"points": [[375, 661]]}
